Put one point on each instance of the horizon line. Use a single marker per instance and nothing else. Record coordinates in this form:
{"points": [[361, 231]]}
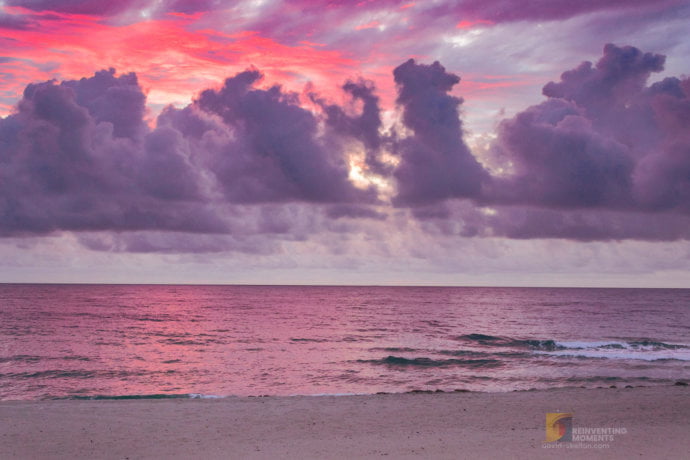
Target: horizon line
{"points": [[382, 285]]}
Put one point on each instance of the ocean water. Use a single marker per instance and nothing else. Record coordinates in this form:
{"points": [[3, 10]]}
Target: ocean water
{"points": [[93, 341]]}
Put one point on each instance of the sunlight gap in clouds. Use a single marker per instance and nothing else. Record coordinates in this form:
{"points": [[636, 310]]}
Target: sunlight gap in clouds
{"points": [[360, 175]]}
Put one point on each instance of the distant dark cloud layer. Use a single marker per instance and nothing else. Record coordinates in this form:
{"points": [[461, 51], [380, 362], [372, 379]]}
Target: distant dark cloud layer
{"points": [[604, 156]]}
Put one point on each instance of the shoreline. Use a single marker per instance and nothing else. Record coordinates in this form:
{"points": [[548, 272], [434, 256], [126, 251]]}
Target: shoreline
{"points": [[460, 424], [157, 396]]}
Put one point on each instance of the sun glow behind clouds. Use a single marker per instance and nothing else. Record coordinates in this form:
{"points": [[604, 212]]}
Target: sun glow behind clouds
{"points": [[363, 178]]}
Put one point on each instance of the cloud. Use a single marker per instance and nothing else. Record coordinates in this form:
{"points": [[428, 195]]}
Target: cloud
{"points": [[507, 10], [176, 242], [365, 127], [558, 159], [193, 6], [529, 222], [78, 156], [662, 176], [354, 212], [89, 7], [605, 156], [15, 21], [603, 139], [435, 163], [609, 86], [276, 153]]}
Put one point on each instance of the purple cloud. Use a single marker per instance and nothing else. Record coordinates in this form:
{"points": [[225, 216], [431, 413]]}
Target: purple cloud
{"points": [[435, 163], [193, 6], [175, 242], [523, 222], [68, 166], [78, 156], [354, 212], [90, 7], [605, 156], [508, 10], [489, 10], [365, 127], [559, 160], [117, 100], [602, 139], [15, 21], [662, 176], [605, 90], [276, 153]]}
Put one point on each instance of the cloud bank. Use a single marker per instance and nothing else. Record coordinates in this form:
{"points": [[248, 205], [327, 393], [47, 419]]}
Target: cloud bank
{"points": [[605, 156], [602, 139]]}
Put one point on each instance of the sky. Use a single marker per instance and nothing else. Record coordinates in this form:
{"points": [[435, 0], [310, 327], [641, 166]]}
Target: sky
{"points": [[467, 142]]}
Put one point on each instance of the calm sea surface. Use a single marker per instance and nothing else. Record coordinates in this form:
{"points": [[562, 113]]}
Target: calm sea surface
{"points": [[88, 341]]}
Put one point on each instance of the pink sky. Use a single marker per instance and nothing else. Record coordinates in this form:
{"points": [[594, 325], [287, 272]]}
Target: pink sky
{"points": [[180, 48]]}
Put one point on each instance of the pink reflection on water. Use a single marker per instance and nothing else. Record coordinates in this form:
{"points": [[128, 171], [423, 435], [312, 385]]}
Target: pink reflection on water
{"points": [[251, 340]]}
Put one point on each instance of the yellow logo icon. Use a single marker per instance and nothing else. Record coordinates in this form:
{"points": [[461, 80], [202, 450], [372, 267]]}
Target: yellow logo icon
{"points": [[559, 427]]}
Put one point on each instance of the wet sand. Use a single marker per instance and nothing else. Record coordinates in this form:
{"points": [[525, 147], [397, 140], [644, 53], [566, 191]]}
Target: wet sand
{"points": [[439, 425]]}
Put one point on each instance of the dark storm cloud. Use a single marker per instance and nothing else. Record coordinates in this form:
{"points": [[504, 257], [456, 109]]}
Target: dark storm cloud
{"points": [[276, 153], [435, 163]]}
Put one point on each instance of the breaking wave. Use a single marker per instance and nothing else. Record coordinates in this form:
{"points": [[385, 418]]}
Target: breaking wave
{"points": [[635, 349]]}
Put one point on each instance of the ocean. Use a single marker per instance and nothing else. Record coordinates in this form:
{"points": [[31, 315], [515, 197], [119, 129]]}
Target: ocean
{"points": [[159, 341]]}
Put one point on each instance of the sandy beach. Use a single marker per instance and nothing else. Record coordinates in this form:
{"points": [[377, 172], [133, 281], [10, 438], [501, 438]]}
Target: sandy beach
{"points": [[439, 425]]}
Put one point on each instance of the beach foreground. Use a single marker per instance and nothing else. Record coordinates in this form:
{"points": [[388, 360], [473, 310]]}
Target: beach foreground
{"points": [[439, 425]]}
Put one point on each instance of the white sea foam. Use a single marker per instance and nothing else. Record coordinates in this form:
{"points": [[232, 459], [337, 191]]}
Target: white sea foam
{"points": [[580, 345], [645, 354]]}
